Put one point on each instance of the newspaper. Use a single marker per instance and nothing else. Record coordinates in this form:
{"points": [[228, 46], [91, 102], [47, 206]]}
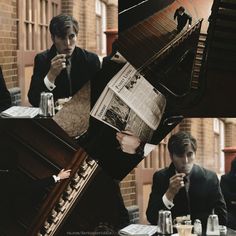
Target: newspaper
{"points": [[130, 102], [20, 112], [138, 230]]}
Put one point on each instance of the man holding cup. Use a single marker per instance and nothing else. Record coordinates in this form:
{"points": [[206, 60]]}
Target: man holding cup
{"points": [[185, 188], [64, 68]]}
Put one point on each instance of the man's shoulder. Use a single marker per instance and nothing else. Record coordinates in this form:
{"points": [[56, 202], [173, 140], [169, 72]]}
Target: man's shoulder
{"points": [[226, 177], [187, 15], [44, 54], [88, 55], [162, 173], [205, 172]]}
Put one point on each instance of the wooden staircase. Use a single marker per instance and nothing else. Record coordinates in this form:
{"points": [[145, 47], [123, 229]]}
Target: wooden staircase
{"points": [[222, 30], [198, 61], [35, 209], [217, 73]]}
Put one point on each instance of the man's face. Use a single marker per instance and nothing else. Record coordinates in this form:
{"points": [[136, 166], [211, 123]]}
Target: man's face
{"points": [[67, 44], [181, 12], [184, 163]]}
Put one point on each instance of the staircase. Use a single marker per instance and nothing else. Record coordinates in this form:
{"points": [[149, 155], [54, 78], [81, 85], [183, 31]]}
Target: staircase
{"points": [[222, 56], [198, 61], [218, 67]]}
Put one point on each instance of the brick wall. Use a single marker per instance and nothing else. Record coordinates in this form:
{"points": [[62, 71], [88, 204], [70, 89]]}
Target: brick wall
{"points": [[67, 6], [90, 25], [8, 42], [112, 16], [128, 189], [230, 131]]}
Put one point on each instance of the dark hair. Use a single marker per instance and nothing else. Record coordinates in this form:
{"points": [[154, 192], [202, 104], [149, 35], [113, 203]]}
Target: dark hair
{"points": [[178, 142], [60, 24], [182, 9]]}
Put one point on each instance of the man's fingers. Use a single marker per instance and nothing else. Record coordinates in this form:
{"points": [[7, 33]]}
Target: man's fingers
{"points": [[120, 136], [127, 132], [59, 56]]}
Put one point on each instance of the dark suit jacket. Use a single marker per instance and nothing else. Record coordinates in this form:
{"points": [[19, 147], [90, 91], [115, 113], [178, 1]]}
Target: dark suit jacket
{"points": [[182, 20], [5, 98], [84, 66], [228, 186], [100, 140], [204, 194]]}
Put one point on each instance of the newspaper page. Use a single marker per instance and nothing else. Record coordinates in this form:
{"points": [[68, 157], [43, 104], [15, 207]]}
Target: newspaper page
{"points": [[20, 112], [138, 230], [129, 102], [139, 95]]}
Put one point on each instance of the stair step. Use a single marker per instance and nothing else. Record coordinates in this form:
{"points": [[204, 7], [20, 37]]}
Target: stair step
{"points": [[225, 23], [226, 35], [227, 1], [228, 4], [225, 29], [198, 57], [197, 64], [227, 14], [218, 44], [196, 73]]}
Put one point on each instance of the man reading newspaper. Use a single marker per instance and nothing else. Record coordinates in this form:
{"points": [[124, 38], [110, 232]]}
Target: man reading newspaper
{"points": [[133, 107]]}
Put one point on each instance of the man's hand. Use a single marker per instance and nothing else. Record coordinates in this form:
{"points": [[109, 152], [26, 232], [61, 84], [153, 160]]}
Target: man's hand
{"points": [[58, 63], [175, 184], [64, 174], [128, 141]]}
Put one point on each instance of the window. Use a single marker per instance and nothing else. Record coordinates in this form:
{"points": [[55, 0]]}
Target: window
{"points": [[101, 22], [29, 24], [219, 139], [33, 17]]}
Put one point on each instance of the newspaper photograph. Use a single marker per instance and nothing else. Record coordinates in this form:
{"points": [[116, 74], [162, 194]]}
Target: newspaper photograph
{"points": [[139, 95], [130, 102], [115, 113]]}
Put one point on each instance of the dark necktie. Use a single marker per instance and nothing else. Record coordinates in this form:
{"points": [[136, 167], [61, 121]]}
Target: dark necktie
{"points": [[186, 186], [68, 70], [187, 182]]}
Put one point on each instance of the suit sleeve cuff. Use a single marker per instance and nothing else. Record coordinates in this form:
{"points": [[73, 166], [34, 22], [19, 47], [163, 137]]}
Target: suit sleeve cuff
{"points": [[50, 86], [148, 148], [56, 178], [167, 202]]}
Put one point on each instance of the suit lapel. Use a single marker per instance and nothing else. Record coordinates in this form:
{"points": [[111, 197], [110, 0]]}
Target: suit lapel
{"points": [[78, 69]]}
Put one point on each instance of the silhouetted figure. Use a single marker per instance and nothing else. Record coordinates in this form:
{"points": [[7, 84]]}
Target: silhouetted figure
{"points": [[5, 98], [228, 187], [182, 18]]}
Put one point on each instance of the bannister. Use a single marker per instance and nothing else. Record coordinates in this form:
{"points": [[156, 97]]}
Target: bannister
{"points": [[63, 197]]}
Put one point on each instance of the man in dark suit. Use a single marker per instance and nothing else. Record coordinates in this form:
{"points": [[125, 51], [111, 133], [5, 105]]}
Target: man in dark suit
{"points": [[64, 68], [185, 188], [5, 98], [182, 18], [228, 186]]}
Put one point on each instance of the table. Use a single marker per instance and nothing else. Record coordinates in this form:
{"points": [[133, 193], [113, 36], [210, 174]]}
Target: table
{"points": [[230, 232]]}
